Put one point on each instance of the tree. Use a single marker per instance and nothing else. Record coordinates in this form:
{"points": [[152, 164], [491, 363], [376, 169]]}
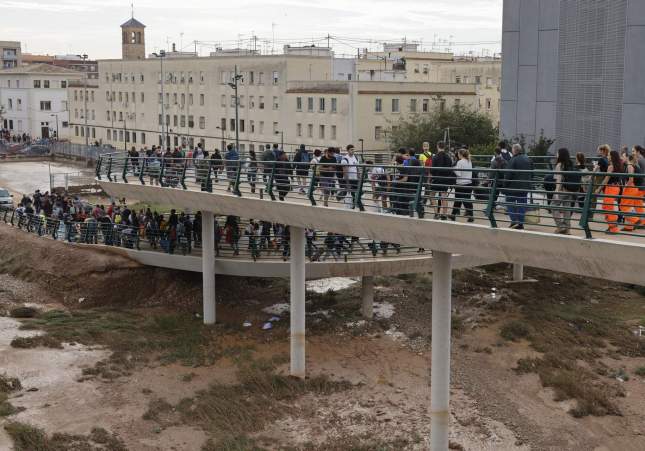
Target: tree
{"points": [[467, 128]]}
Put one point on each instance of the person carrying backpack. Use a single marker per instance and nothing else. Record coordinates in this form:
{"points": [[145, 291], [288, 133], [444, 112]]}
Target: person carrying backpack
{"points": [[567, 184]]}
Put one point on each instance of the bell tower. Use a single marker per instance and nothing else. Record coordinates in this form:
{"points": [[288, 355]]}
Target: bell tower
{"points": [[133, 42]]}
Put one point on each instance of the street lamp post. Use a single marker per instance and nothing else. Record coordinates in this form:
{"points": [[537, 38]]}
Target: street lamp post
{"points": [[125, 131], [161, 55], [87, 137], [56, 115], [236, 78]]}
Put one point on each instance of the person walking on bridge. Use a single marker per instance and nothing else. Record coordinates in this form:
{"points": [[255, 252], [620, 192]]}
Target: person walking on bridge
{"points": [[517, 184], [566, 185], [612, 187]]}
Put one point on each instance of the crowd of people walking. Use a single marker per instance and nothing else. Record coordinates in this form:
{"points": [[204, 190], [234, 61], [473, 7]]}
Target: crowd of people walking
{"points": [[69, 218], [442, 178]]}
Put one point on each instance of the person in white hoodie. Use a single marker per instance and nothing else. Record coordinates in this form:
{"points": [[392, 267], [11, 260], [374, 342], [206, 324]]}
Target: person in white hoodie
{"points": [[463, 186]]}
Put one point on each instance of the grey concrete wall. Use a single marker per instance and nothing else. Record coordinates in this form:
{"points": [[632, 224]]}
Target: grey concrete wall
{"points": [[529, 68], [633, 117]]}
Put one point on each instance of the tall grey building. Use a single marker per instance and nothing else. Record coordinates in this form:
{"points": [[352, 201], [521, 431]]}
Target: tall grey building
{"points": [[574, 70]]}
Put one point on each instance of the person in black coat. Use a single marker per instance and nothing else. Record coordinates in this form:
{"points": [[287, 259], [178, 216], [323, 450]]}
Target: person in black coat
{"points": [[517, 184]]}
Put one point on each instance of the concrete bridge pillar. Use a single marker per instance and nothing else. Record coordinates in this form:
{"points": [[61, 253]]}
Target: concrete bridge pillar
{"points": [[367, 296], [297, 292], [518, 272], [440, 370], [208, 266]]}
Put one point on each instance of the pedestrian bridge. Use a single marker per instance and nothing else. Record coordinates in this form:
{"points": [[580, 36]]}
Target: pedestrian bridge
{"points": [[234, 189]]}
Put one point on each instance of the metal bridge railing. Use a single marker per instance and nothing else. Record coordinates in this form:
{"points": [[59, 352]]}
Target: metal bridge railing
{"points": [[231, 239], [583, 202]]}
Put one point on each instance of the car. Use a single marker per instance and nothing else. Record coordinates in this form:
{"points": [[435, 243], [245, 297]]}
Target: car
{"points": [[6, 199]]}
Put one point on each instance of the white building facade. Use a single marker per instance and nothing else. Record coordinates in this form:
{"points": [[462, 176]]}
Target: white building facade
{"points": [[573, 72], [34, 100]]}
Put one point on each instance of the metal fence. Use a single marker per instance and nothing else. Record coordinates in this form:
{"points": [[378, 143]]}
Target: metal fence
{"points": [[233, 238], [539, 199]]}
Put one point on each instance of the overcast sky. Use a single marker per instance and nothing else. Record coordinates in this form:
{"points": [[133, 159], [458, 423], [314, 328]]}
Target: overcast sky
{"points": [[92, 26]]}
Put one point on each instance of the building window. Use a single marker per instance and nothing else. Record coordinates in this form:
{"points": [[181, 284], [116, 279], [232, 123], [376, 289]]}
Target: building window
{"points": [[488, 104], [202, 122], [298, 129], [378, 132], [378, 105], [478, 79], [232, 125], [413, 105], [458, 79], [241, 101], [76, 130], [191, 122], [92, 95], [241, 125], [310, 104], [310, 130], [251, 101], [75, 95], [261, 127], [223, 100], [442, 105], [174, 98], [252, 126], [143, 135], [37, 85], [63, 84], [321, 132], [321, 104], [333, 132], [183, 99], [457, 102], [108, 134], [251, 77], [142, 98], [175, 120], [275, 128], [425, 106], [182, 120], [395, 105], [275, 103], [261, 102], [201, 99], [298, 103], [46, 84], [190, 99], [334, 104], [261, 78], [275, 77], [160, 118], [45, 105]]}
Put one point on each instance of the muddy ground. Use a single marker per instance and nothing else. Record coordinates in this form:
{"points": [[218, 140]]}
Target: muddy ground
{"points": [[132, 358]]}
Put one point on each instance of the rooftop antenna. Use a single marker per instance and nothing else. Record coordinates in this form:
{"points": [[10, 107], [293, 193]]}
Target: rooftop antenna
{"points": [[132, 9], [273, 24]]}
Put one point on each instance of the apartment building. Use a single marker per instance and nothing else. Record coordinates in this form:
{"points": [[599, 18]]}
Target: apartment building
{"points": [[10, 55], [405, 62], [281, 97], [303, 96], [34, 99]]}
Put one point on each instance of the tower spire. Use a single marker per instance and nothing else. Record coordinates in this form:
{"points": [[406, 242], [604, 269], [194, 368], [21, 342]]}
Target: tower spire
{"points": [[132, 8]]}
